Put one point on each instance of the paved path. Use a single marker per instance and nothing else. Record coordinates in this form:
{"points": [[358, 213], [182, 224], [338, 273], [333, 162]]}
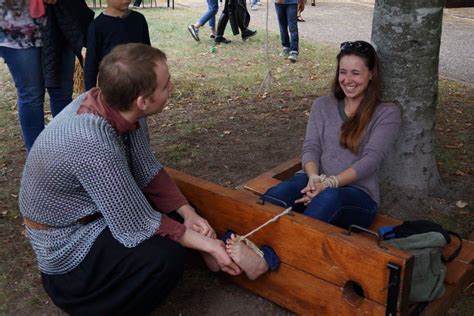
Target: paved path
{"points": [[333, 22]]}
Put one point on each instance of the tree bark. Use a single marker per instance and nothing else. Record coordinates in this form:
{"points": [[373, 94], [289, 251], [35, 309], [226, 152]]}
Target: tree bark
{"points": [[407, 36]]}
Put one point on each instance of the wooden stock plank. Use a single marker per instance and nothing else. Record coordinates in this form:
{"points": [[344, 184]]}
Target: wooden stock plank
{"points": [[306, 294], [459, 272], [272, 177], [317, 248]]}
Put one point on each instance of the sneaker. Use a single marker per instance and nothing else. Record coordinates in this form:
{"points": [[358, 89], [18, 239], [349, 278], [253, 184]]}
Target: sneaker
{"points": [[221, 39], [194, 32], [259, 3], [293, 56], [285, 52], [254, 7], [247, 33]]}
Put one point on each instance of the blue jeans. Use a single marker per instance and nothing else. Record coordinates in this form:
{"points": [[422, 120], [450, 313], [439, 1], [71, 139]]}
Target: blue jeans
{"points": [[342, 206], [287, 19], [27, 72], [210, 14]]}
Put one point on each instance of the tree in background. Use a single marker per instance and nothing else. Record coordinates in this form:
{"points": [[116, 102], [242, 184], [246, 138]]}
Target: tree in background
{"points": [[407, 35]]}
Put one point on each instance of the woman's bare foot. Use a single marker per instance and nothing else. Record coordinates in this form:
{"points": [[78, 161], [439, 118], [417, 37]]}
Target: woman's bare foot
{"points": [[249, 261]]}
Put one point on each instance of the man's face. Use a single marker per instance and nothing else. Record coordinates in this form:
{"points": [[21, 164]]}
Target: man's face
{"points": [[157, 101]]}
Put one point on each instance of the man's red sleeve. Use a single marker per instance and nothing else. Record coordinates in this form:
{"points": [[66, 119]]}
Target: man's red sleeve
{"points": [[171, 228], [164, 194]]}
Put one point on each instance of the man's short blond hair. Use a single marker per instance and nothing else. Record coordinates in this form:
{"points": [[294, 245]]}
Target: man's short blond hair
{"points": [[128, 72]]}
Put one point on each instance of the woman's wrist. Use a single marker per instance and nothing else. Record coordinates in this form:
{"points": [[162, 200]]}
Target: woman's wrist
{"points": [[315, 178]]}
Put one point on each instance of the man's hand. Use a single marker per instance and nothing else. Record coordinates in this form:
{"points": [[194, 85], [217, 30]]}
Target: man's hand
{"points": [[195, 222], [223, 259]]}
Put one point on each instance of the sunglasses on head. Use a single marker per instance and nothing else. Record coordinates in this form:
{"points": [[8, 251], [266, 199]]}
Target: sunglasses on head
{"points": [[359, 46]]}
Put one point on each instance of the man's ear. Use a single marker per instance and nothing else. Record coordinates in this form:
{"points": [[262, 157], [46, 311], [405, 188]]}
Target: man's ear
{"points": [[142, 103]]}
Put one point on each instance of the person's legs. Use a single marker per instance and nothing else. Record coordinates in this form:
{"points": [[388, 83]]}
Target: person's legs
{"points": [[116, 280], [209, 15], [25, 67], [214, 7], [301, 5], [283, 24], [61, 96], [288, 191], [343, 207], [222, 24], [292, 18]]}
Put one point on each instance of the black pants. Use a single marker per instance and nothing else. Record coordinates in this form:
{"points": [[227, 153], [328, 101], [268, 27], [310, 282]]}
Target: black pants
{"points": [[115, 280]]}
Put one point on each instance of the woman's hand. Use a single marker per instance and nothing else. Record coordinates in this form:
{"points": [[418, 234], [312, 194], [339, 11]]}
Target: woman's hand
{"points": [[312, 189], [195, 222]]}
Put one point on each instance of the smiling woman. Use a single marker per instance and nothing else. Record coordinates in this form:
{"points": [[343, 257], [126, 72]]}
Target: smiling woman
{"points": [[347, 137]]}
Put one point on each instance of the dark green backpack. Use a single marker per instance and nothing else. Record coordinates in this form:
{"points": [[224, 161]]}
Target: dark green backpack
{"points": [[425, 240], [428, 270]]}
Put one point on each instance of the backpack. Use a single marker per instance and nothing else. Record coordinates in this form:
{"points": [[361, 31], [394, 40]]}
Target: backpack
{"points": [[425, 241]]}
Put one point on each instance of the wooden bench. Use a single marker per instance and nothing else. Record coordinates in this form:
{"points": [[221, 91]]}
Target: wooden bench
{"points": [[324, 270]]}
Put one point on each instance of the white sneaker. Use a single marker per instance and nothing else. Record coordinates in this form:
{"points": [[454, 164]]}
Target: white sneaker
{"points": [[293, 56], [254, 8], [285, 52]]}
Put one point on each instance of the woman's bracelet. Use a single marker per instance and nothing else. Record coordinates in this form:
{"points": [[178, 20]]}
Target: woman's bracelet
{"points": [[329, 182]]}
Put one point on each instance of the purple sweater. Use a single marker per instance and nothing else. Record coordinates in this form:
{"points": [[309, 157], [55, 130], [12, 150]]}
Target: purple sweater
{"points": [[321, 144]]}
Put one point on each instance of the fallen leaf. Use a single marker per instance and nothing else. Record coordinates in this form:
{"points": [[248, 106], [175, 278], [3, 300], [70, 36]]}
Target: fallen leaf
{"points": [[460, 173], [226, 132], [461, 204]]}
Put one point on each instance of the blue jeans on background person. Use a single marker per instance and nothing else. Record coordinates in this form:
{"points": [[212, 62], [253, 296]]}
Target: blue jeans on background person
{"points": [[25, 65], [210, 14], [288, 21], [342, 206]]}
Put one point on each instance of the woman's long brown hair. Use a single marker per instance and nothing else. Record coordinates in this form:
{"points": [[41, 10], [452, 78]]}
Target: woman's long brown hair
{"points": [[353, 130]]}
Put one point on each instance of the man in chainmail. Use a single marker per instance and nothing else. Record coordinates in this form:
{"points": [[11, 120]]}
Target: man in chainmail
{"points": [[91, 191]]}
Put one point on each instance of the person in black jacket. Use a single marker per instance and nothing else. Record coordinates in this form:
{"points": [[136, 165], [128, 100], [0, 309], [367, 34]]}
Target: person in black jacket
{"points": [[236, 11], [116, 25], [38, 46]]}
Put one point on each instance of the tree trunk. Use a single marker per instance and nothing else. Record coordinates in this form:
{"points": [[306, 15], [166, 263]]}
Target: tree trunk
{"points": [[407, 37]]}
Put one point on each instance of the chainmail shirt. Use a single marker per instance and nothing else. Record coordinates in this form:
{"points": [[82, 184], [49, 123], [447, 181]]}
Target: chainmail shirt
{"points": [[80, 165]]}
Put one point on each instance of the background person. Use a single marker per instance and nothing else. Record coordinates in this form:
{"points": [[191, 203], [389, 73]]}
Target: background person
{"points": [[347, 137], [39, 53], [116, 25], [301, 5], [91, 189], [287, 15], [209, 15], [236, 12]]}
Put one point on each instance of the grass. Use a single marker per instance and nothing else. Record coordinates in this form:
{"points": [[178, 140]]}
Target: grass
{"points": [[218, 125]]}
